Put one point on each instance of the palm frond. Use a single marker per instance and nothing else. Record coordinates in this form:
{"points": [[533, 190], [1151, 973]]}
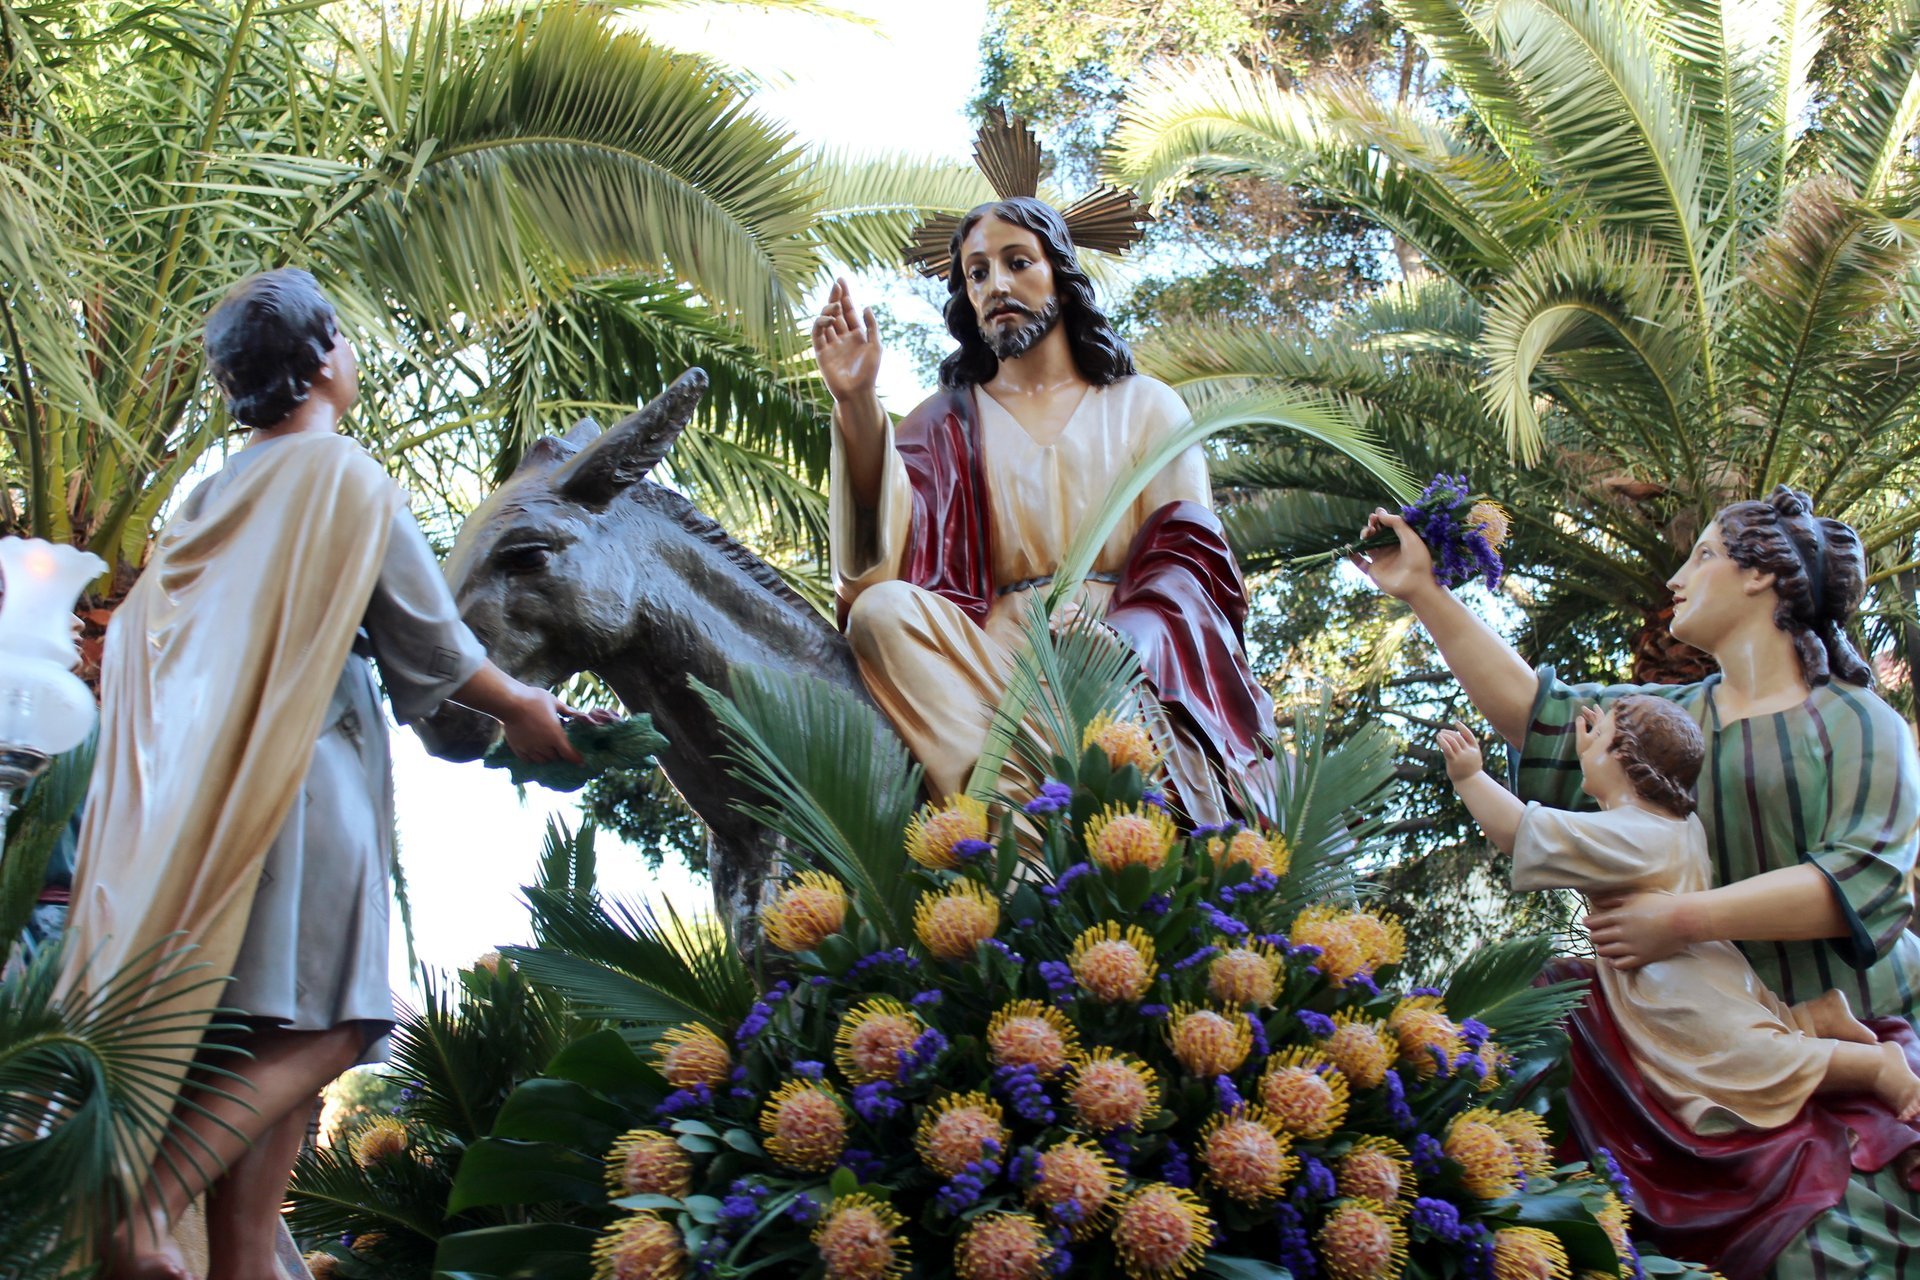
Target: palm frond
{"points": [[1496, 985], [1874, 120], [1458, 36], [1717, 53], [1270, 528], [836, 779], [870, 204], [1329, 800], [33, 831]]}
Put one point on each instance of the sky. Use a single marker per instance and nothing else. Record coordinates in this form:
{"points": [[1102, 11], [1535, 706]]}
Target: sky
{"points": [[467, 840]]}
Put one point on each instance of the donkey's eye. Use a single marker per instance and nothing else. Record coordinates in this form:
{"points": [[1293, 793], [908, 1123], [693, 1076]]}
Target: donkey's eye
{"points": [[527, 557]]}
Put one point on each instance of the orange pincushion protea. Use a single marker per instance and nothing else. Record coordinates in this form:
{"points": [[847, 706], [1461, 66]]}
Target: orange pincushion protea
{"points": [[1528, 1253], [1376, 1168], [1003, 1246], [1111, 1090], [1075, 1185], [1140, 837], [381, 1138], [1161, 1232], [1260, 852], [1493, 522], [1362, 1048], [951, 924], [648, 1162], [1614, 1218], [640, 1246], [956, 1131], [1527, 1134], [1362, 1240], [809, 910], [1305, 1092], [1342, 954], [1031, 1033], [1489, 1168], [805, 1125], [858, 1239], [1382, 938], [691, 1055], [937, 828], [1208, 1042], [1247, 1154], [1112, 963], [1247, 973], [871, 1037], [1126, 742], [1422, 1029]]}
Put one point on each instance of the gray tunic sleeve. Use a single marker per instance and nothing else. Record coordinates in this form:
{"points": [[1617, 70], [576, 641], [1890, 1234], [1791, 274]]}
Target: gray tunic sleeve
{"points": [[425, 652]]}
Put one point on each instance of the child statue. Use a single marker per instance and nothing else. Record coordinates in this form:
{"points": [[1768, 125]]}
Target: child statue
{"points": [[1711, 1041]]}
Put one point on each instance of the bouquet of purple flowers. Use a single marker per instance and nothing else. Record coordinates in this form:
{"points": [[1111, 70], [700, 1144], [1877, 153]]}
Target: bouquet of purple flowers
{"points": [[1464, 534]]}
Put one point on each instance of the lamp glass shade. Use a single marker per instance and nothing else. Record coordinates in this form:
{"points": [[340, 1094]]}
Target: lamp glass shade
{"points": [[44, 707]]}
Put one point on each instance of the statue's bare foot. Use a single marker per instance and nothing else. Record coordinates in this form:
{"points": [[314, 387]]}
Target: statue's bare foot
{"points": [[144, 1252], [1895, 1084], [1833, 1019]]}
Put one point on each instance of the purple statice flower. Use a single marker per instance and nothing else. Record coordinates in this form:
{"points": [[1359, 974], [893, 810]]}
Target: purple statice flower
{"points": [[1397, 1106], [876, 959], [760, 1014], [1023, 1090], [928, 999], [1151, 1011], [819, 980], [1471, 1065], [1208, 830], [1061, 1261], [971, 850], [1118, 1143], [1025, 922], [1316, 1180], [874, 1102], [963, 1191], [1478, 1254], [1363, 981], [1304, 951], [1053, 797], [1006, 950], [1223, 922], [1459, 545], [741, 1207], [1258, 1031], [1427, 1153], [681, 1101], [926, 1050], [1296, 1245], [1439, 1219], [1424, 991], [862, 1164], [804, 1209], [1023, 1167], [808, 1069], [1052, 892], [1174, 1168], [1475, 1033], [1158, 799], [1205, 953], [1277, 940], [1228, 1095], [1318, 1025], [1158, 905], [1609, 1169], [1058, 975]]}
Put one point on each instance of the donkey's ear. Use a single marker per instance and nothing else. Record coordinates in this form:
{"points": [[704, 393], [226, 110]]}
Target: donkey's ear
{"points": [[635, 446], [550, 451]]}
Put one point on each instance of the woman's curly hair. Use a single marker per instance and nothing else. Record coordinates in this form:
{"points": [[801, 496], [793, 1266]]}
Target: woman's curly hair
{"points": [[1819, 574], [266, 340], [1661, 749]]}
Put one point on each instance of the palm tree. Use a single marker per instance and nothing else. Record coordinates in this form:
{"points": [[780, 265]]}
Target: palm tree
{"points": [[533, 213], [1663, 269]]}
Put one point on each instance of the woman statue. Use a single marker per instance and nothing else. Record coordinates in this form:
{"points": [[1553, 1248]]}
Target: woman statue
{"points": [[240, 816], [1810, 797]]}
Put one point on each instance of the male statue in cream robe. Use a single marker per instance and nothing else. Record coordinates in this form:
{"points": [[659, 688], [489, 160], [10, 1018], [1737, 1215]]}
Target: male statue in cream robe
{"points": [[943, 524]]}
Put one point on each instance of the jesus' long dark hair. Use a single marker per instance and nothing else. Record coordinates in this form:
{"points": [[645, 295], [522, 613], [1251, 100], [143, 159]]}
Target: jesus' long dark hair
{"points": [[1098, 352]]}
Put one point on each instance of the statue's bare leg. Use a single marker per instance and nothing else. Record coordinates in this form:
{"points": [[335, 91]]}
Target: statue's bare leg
{"points": [[285, 1071], [243, 1208], [1832, 1019]]}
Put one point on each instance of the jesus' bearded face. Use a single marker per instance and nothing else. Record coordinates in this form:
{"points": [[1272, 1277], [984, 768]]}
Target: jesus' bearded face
{"points": [[1010, 283]]}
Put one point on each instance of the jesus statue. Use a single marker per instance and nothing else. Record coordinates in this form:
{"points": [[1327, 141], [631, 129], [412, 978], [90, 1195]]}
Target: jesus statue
{"points": [[942, 525]]}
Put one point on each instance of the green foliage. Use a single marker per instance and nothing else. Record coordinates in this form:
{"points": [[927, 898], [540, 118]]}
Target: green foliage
{"points": [[33, 831], [624, 744], [642, 808]]}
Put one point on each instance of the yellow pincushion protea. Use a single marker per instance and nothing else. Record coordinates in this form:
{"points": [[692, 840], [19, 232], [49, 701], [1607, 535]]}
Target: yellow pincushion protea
{"points": [[1498, 1062], [1342, 954], [1305, 1092], [691, 1055], [1382, 938], [1422, 1028], [1208, 1042], [951, 924], [1260, 851], [640, 1246], [1126, 742], [1074, 1172], [1112, 963], [810, 909], [1139, 837], [859, 1239], [1248, 1154], [1489, 1168], [381, 1138], [1032, 1033], [1528, 1253], [1376, 1168], [1362, 1239], [1003, 1246], [1161, 1232], [1245, 973], [956, 1131], [937, 828], [806, 1126], [1527, 1134], [1362, 1048], [1493, 522], [648, 1162], [1111, 1090], [871, 1037]]}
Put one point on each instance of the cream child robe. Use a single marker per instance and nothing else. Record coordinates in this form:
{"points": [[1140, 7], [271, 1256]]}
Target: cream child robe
{"points": [[934, 672], [1712, 1042]]}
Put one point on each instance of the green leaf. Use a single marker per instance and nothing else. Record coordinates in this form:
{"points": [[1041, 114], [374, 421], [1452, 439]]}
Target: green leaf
{"points": [[524, 1251], [498, 1171], [1230, 1268], [563, 1112], [631, 743]]}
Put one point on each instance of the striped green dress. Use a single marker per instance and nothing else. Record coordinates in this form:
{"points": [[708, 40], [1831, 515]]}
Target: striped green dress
{"points": [[1834, 782]]}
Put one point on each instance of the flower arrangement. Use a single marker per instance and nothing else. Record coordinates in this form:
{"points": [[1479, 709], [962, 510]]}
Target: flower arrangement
{"points": [[1464, 533], [1111, 1048]]}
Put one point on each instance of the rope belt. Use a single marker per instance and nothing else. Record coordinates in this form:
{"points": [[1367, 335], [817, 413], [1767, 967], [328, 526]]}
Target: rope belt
{"points": [[1027, 584]]}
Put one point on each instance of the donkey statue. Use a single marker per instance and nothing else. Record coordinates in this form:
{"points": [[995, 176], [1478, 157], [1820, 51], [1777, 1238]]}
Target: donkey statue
{"points": [[578, 562]]}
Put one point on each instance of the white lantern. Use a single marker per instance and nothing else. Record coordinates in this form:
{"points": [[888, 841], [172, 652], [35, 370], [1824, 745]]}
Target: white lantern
{"points": [[44, 708]]}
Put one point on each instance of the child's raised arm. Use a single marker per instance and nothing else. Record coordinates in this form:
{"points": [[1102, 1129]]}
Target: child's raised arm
{"points": [[1497, 810]]}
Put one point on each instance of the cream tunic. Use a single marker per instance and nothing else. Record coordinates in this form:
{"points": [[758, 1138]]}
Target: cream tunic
{"points": [[934, 672], [1712, 1042]]}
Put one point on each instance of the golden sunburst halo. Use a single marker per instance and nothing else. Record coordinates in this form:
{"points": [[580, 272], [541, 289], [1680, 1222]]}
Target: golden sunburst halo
{"points": [[640, 1246], [1209, 1042]]}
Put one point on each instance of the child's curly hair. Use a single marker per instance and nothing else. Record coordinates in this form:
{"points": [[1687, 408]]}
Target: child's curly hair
{"points": [[1661, 748]]}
